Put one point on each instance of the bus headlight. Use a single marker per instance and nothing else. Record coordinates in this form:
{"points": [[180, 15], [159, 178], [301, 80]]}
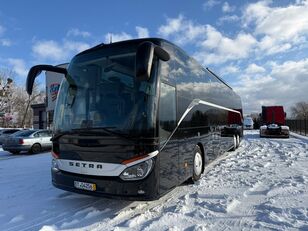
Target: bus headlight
{"points": [[54, 165], [138, 171]]}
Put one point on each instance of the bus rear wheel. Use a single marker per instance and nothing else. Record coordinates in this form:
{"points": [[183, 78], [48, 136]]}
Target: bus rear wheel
{"points": [[197, 164]]}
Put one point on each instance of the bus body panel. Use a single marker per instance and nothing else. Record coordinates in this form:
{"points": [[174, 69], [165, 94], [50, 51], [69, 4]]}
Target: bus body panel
{"points": [[113, 187], [169, 167], [203, 125]]}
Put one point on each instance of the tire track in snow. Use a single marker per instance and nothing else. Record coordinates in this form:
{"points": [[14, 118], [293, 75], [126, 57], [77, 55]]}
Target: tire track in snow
{"points": [[228, 211], [260, 192], [53, 217]]}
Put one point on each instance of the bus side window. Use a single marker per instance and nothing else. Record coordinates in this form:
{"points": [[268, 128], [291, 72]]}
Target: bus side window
{"points": [[167, 111]]}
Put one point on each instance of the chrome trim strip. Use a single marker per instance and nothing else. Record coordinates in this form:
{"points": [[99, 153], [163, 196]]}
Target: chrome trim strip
{"points": [[218, 106], [98, 168], [194, 103], [150, 155]]}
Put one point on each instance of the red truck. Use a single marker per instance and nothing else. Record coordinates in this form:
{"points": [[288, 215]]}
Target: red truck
{"points": [[273, 120]]}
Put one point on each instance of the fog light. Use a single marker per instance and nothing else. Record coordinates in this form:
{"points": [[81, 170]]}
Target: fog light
{"points": [[141, 192], [138, 171]]}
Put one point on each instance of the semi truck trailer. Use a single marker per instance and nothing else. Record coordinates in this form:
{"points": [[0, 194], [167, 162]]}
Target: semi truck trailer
{"points": [[274, 123]]}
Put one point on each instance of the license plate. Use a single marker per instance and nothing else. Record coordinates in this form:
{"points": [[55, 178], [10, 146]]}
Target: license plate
{"points": [[85, 186]]}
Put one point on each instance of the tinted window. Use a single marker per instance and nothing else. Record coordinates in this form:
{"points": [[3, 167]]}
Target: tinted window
{"points": [[211, 78], [182, 67], [10, 131], [26, 133], [167, 110], [17, 133], [44, 134], [105, 94]]}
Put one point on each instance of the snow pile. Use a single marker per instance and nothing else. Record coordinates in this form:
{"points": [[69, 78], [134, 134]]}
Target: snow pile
{"points": [[262, 185]]}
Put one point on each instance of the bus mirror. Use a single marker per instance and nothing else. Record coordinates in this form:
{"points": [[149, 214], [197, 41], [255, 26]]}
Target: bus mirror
{"points": [[144, 60], [33, 73], [161, 54], [36, 70]]}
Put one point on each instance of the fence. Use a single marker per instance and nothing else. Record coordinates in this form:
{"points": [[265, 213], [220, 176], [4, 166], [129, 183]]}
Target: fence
{"points": [[298, 126]]}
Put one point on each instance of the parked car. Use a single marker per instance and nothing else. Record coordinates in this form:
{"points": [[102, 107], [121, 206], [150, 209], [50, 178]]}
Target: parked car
{"points": [[33, 141], [6, 132], [248, 123]]}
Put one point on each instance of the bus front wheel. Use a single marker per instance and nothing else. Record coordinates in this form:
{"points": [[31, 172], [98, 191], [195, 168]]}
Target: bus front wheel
{"points": [[234, 143], [197, 164], [238, 140]]}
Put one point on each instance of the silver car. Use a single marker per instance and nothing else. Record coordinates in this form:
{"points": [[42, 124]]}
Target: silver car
{"points": [[33, 141]]}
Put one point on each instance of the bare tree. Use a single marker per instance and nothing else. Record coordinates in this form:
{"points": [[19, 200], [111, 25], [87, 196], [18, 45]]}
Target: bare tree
{"points": [[22, 103], [36, 97], [15, 102], [6, 82], [300, 110]]}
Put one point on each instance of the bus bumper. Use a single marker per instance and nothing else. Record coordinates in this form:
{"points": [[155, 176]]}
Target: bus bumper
{"points": [[110, 187]]}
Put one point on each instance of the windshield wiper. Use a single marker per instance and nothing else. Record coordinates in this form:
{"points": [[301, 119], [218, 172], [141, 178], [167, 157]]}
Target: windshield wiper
{"points": [[88, 131], [75, 131], [60, 134], [108, 131]]}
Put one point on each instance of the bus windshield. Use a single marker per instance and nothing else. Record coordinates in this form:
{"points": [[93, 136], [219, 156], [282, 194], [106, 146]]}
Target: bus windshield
{"points": [[101, 91]]}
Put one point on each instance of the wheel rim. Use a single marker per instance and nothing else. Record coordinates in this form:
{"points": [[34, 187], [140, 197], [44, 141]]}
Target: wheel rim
{"points": [[237, 140], [198, 164], [36, 148]]}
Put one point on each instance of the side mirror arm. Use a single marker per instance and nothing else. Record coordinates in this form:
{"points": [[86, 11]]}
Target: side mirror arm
{"points": [[36, 70]]}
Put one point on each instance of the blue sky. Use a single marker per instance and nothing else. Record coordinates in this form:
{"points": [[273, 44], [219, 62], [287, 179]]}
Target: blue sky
{"points": [[259, 47]]}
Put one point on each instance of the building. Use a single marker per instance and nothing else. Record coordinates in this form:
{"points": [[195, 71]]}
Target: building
{"points": [[39, 116], [43, 113]]}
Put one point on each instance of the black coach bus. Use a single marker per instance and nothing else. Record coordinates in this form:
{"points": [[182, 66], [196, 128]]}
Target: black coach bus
{"points": [[134, 119]]}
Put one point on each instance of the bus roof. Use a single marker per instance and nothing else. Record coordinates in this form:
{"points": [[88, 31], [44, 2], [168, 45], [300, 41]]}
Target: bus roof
{"points": [[156, 41]]}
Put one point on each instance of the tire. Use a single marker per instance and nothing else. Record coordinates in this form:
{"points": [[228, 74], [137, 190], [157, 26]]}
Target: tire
{"points": [[237, 141], [234, 143], [36, 148], [197, 164]]}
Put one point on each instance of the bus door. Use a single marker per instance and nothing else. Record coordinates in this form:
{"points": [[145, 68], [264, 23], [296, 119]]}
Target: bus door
{"points": [[168, 157]]}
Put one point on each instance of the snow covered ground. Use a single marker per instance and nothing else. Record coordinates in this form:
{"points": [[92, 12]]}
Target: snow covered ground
{"points": [[263, 185]]}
